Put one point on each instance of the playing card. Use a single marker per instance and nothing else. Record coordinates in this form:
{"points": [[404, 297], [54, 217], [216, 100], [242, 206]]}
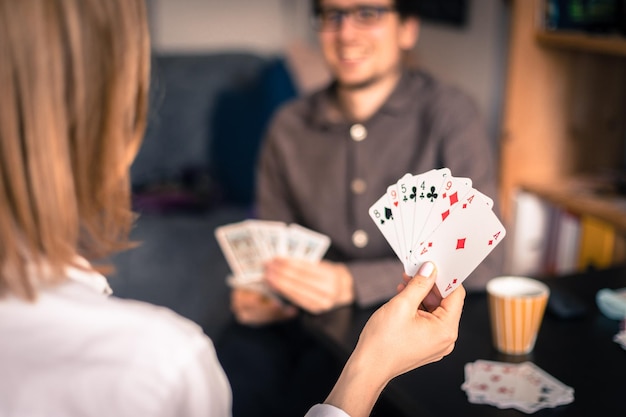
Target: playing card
{"points": [[272, 236], [523, 386], [538, 389], [249, 244], [452, 191], [436, 217], [486, 198], [242, 250], [406, 187], [491, 382], [393, 200], [459, 244], [381, 214], [310, 245], [620, 338], [428, 195]]}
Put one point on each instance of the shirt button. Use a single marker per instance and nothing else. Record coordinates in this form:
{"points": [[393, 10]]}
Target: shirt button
{"points": [[359, 239], [358, 186], [358, 132]]}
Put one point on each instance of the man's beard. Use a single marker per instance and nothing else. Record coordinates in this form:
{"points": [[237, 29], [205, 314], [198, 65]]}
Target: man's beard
{"points": [[361, 85], [367, 83]]}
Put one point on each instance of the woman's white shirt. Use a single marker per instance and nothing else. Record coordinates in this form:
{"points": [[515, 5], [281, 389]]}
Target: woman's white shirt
{"points": [[78, 352]]}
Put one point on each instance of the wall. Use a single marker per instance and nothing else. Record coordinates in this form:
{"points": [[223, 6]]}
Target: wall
{"points": [[265, 26], [471, 57]]}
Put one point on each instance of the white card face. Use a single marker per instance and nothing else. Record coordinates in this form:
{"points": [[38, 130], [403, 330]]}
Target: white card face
{"points": [[407, 198], [272, 236], [487, 199], [460, 243], [428, 193], [249, 244], [523, 386], [259, 238], [541, 389], [310, 245], [259, 286], [292, 244], [494, 380], [452, 190], [413, 216], [393, 199], [241, 249], [381, 214]]}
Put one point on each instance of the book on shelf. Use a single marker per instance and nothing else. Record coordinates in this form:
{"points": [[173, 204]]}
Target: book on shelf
{"points": [[528, 243], [597, 243], [549, 240], [567, 243]]}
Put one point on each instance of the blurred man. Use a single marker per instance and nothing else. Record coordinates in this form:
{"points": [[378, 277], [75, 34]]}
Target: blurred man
{"points": [[325, 160], [329, 156]]}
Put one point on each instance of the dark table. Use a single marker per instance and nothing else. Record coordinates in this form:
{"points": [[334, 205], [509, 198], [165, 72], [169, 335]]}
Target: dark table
{"points": [[579, 352]]}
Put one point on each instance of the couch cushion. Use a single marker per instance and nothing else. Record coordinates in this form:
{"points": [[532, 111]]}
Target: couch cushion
{"points": [[239, 123], [183, 94]]}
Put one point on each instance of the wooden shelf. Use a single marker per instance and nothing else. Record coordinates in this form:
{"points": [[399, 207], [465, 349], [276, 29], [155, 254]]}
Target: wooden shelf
{"points": [[584, 201], [563, 130], [605, 44]]}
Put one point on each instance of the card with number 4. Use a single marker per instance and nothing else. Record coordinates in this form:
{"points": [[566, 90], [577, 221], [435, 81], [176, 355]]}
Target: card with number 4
{"points": [[440, 218]]}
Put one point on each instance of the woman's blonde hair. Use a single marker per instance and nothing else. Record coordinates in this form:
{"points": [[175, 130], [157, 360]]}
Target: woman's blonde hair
{"points": [[74, 77]]}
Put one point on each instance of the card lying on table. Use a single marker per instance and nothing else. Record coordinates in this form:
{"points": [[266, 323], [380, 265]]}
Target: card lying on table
{"points": [[439, 218], [248, 244], [523, 386]]}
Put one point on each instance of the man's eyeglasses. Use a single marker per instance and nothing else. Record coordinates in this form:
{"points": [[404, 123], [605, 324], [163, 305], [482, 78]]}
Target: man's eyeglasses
{"points": [[330, 19]]}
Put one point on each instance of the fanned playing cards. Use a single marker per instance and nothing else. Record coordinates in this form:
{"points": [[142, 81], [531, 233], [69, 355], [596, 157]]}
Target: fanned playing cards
{"points": [[436, 217], [522, 386], [248, 244]]}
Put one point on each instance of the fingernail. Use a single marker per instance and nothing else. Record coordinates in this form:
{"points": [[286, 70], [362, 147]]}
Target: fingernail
{"points": [[426, 269]]}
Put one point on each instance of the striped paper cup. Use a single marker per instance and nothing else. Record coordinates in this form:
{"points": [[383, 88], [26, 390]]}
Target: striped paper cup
{"points": [[516, 308]]}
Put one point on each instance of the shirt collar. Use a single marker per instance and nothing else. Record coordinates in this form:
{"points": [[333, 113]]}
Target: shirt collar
{"points": [[82, 273], [90, 278], [324, 113]]}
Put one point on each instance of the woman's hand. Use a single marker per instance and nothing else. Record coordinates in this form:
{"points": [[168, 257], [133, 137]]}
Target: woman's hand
{"points": [[397, 338]]}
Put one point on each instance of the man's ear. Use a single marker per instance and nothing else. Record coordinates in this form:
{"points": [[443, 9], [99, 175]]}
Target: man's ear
{"points": [[409, 32]]}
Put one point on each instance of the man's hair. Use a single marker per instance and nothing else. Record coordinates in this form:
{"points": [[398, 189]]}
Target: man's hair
{"points": [[405, 8], [74, 76]]}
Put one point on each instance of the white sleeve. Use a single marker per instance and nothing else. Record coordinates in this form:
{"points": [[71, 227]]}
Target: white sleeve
{"points": [[205, 390], [326, 410]]}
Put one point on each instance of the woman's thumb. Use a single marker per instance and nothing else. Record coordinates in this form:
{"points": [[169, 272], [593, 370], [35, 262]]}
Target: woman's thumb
{"points": [[420, 285]]}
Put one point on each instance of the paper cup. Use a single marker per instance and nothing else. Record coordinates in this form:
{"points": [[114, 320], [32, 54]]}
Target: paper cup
{"points": [[516, 308]]}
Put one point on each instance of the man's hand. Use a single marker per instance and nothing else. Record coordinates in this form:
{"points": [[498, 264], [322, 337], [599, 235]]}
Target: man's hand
{"points": [[255, 309], [315, 287]]}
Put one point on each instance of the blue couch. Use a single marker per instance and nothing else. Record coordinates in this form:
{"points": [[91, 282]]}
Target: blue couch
{"points": [[208, 115]]}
